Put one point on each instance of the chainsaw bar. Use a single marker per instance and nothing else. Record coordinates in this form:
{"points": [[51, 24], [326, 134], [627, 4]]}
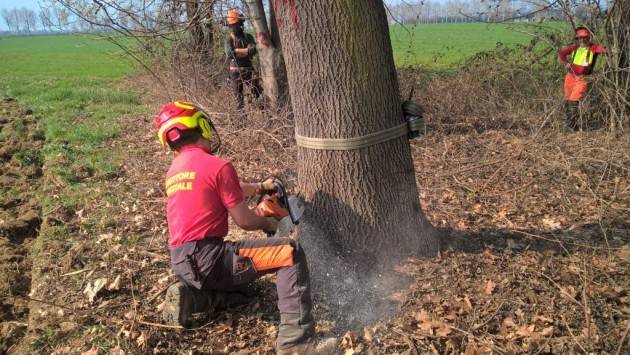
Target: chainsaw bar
{"points": [[286, 225]]}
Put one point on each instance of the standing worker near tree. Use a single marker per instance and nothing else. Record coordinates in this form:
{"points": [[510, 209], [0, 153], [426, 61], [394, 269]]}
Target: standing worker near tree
{"points": [[240, 48], [202, 190], [579, 60]]}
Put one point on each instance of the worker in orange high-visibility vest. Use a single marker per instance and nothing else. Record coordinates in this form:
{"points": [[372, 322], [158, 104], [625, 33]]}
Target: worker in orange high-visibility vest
{"points": [[579, 60]]}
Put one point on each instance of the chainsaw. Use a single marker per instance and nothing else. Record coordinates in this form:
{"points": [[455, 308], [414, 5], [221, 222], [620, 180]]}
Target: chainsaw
{"points": [[279, 205]]}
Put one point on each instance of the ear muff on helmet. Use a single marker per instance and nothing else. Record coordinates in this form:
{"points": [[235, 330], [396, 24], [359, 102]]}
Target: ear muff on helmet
{"points": [[205, 128]]}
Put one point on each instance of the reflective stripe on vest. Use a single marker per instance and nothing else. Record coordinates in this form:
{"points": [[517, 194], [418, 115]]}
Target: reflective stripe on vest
{"points": [[582, 57]]}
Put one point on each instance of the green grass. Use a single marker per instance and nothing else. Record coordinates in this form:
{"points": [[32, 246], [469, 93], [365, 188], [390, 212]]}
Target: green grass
{"points": [[72, 83], [62, 56], [44, 343], [446, 46]]}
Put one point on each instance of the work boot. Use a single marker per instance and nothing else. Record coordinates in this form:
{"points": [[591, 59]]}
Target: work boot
{"points": [[311, 347], [572, 111], [187, 306], [296, 334]]}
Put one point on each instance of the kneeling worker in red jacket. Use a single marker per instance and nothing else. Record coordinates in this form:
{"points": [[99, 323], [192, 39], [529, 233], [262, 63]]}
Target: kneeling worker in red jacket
{"points": [[202, 190]]}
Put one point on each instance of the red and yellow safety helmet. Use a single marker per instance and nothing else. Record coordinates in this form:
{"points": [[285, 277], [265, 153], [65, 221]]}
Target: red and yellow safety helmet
{"points": [[179, 116], [582, 32]]}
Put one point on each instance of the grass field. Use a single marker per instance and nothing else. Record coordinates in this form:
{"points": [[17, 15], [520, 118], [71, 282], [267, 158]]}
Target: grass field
{"points": [[73, 84], [69, 82], [444, 46]]}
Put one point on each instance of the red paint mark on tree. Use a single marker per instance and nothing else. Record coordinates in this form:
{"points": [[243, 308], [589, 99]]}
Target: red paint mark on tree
{"points": [[291, 6], [276, 10], [263, 39], [294, 14]]}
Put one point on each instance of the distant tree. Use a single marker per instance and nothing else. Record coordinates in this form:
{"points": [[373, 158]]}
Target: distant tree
{"points": [[28, 19], [45, 18], [61, 17], [454, 9], [20, 20], [617, 29], [9, 19], [272, 68]]}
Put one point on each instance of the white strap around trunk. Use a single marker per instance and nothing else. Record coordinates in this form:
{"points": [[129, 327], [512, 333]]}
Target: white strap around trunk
{"points": [[354, 142]]}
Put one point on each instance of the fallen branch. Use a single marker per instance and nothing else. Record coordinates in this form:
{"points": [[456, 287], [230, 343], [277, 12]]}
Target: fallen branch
{"points": [[158, 325], [572, 336], [75, 272], [562, 291], [161, 291], [494, 347], [559, 242], [623, 339]]}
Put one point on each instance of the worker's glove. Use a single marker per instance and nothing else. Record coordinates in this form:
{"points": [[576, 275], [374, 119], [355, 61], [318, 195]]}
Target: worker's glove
{"points": [[272, 226], [269, 185]]}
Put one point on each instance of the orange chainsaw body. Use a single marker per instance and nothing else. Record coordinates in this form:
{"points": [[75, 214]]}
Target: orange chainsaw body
{"points": [[270, 206]]}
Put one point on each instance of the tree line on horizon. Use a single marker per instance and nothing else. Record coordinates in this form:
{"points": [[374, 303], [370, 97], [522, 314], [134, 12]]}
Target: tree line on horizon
{"points": [[59, 16]]}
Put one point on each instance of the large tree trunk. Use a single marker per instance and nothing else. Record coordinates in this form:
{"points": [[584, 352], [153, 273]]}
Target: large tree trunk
{"points": [[618, 40], [343, 84], [272, 69]]}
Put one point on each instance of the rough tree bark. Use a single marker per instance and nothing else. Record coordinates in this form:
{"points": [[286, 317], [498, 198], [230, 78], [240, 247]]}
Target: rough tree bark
{"points": [[272, 69], [343, 84], [618, 39]]}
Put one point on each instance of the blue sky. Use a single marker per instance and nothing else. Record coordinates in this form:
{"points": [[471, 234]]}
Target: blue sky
{"points": [[34, 4], [9, 4]]}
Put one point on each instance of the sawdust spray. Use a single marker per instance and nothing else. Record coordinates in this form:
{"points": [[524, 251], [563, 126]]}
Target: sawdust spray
{"points": [[348, 297]]}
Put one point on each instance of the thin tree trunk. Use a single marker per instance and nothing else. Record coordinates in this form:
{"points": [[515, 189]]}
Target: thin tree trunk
{"points": [[618, 38], [272, 69], [343, 84], [284, 99], [201, 27]]}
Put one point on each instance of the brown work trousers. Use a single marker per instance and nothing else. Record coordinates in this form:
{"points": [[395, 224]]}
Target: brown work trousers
{"points": [[239, 78], [214, 264]]}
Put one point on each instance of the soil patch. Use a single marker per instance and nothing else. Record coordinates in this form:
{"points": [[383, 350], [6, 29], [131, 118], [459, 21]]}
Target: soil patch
{"points": [[20, 171]]}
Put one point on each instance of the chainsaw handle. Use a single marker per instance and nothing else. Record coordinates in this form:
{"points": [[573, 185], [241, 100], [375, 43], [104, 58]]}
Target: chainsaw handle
{"points": [[281, 196], [278, 186]]}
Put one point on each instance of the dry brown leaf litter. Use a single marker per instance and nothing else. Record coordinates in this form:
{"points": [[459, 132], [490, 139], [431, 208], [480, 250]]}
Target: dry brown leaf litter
{"points": [[538, 260]]}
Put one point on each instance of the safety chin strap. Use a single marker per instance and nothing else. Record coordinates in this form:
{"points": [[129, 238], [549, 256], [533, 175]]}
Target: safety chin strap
{"points": [[412, 128]]}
